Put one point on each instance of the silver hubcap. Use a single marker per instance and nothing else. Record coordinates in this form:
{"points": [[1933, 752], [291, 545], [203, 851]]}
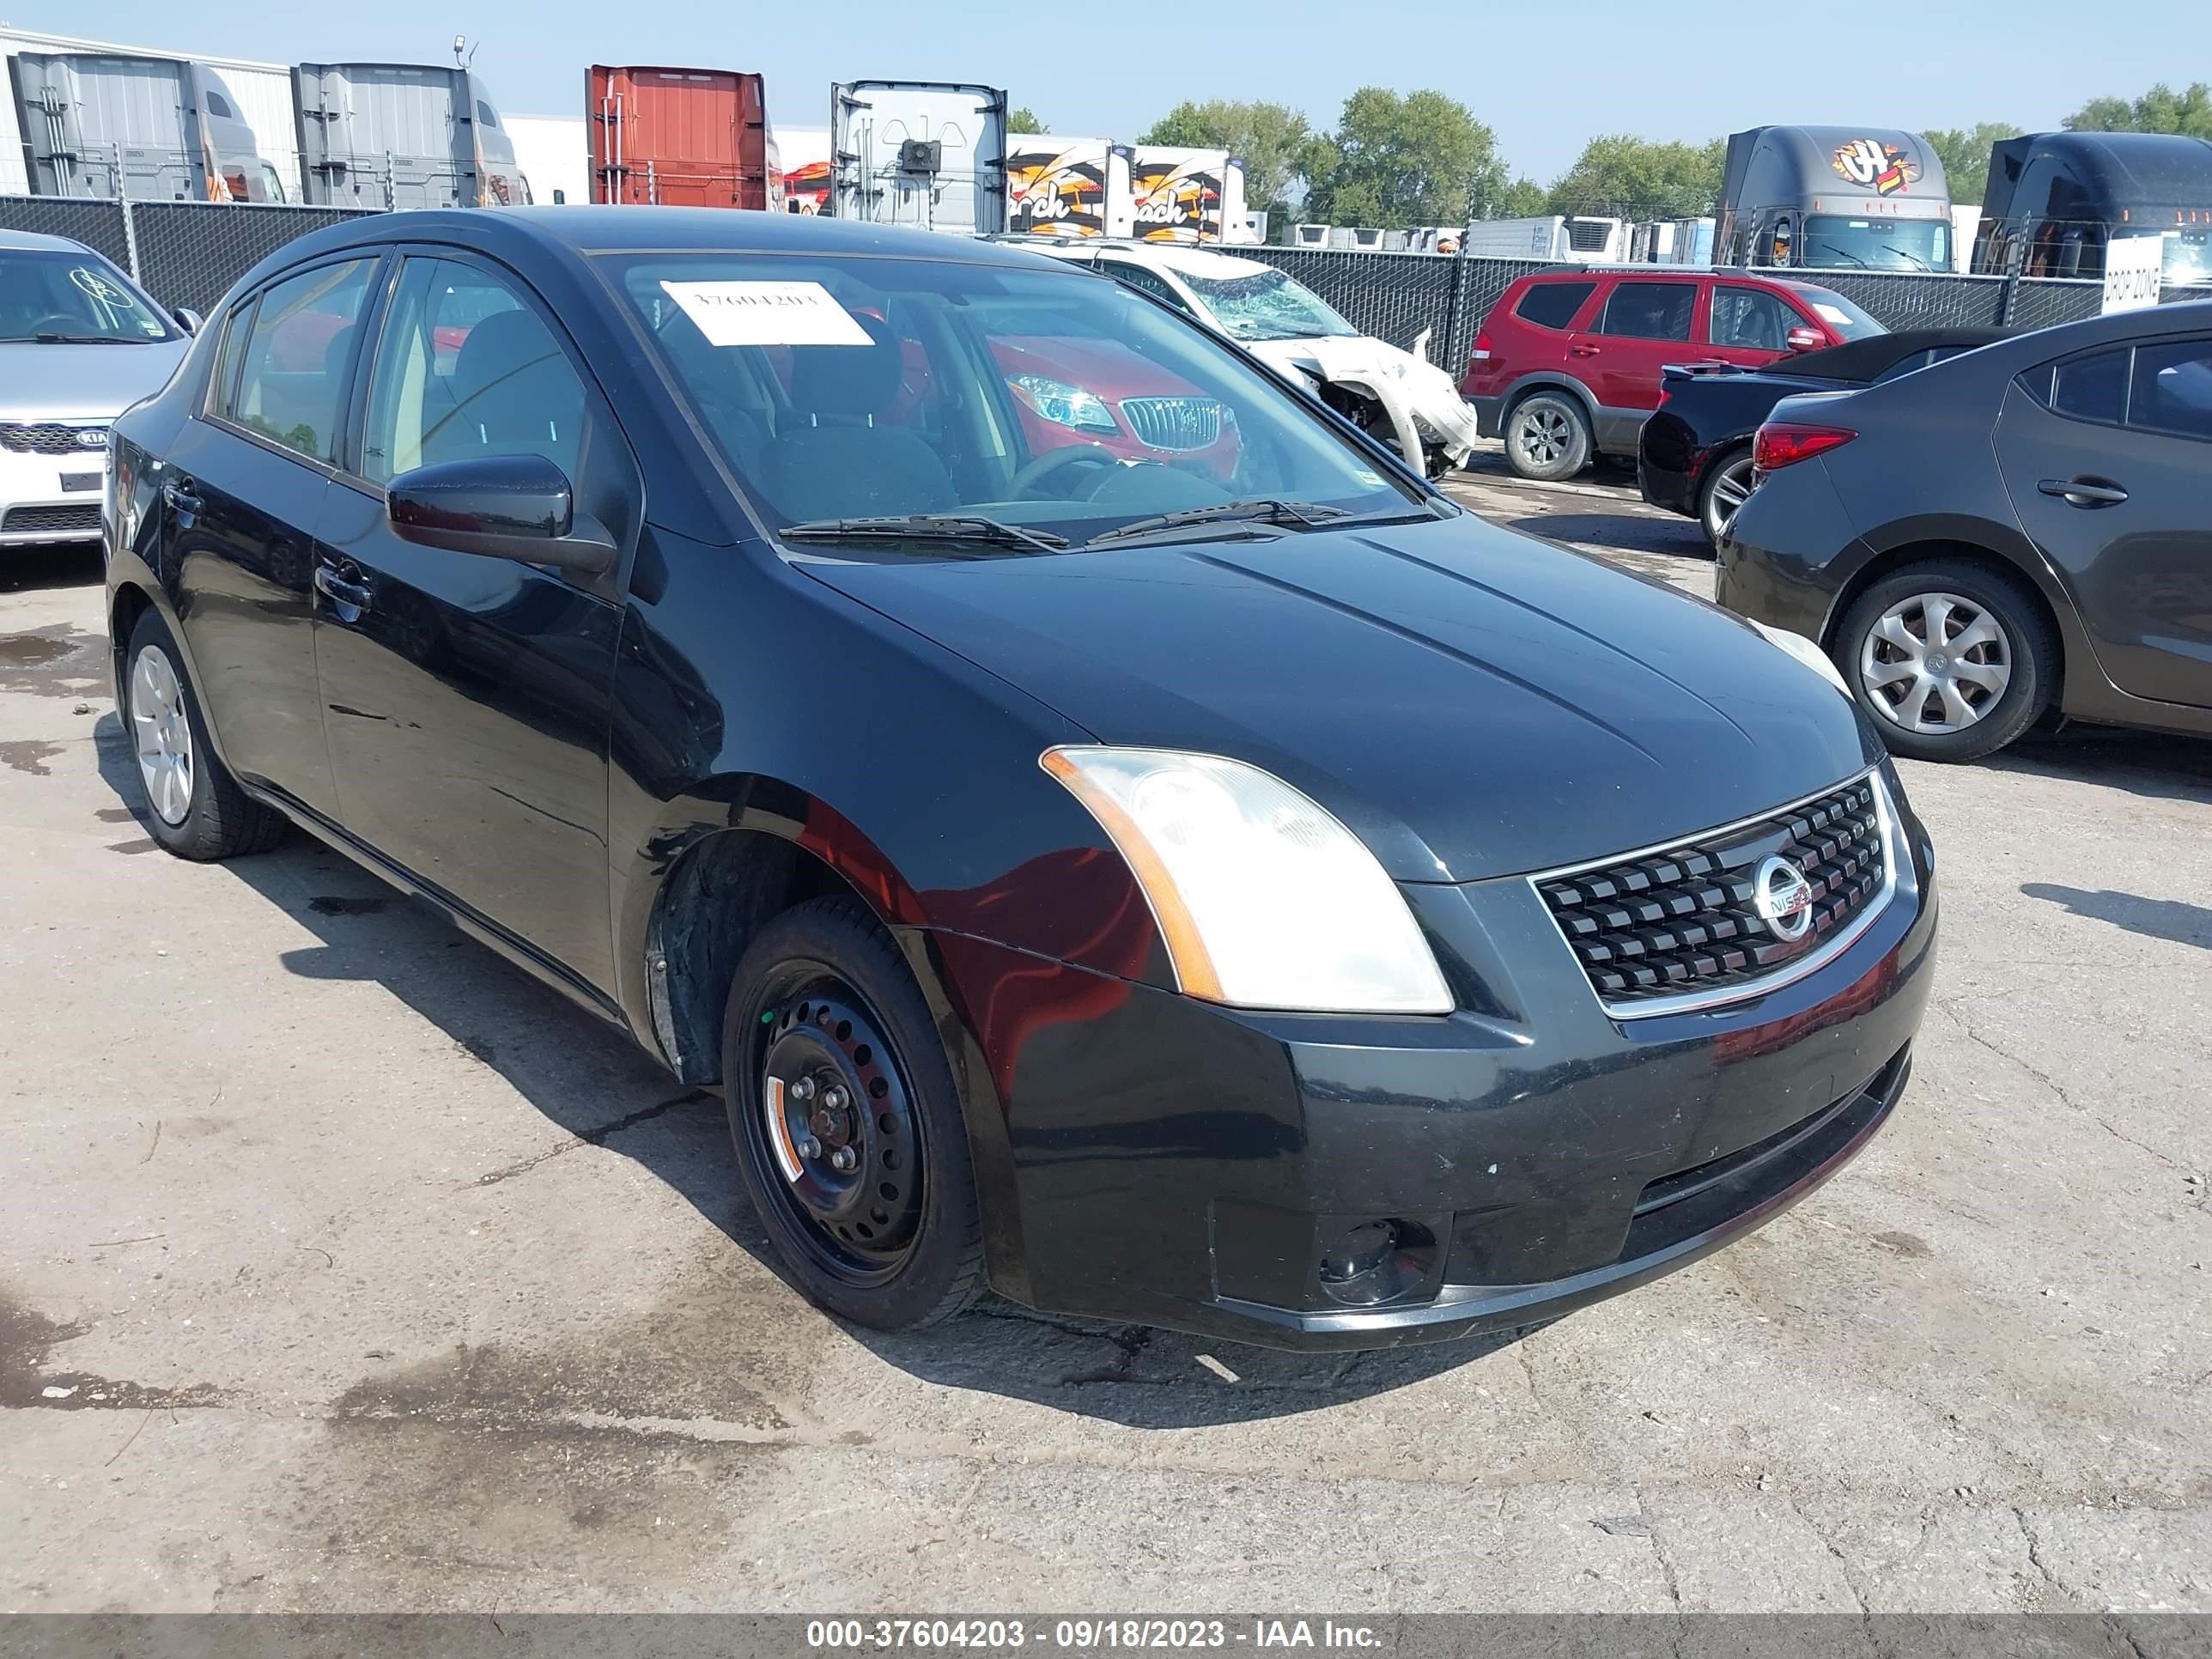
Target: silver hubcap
{"points": [[1936, 663], [163, 733], [1544, 435], [1730, 491]]}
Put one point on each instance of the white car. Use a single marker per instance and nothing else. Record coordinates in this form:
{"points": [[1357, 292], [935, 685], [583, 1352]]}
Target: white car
{"points": [[79, 344], [1399, 396]]}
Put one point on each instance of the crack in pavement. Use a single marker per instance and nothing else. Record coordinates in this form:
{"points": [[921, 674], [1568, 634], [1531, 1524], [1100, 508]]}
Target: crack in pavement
{"points": [[598, 1137], [1949, 1005]]}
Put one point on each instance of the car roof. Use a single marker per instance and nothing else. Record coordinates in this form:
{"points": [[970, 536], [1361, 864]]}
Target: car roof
{"points": [[28, 241], [1172, 256], [617, 229]]}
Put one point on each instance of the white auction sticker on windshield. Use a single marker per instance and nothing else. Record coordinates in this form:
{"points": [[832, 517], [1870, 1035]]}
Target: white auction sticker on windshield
{"points": [[767, 313], [1833, 314]]}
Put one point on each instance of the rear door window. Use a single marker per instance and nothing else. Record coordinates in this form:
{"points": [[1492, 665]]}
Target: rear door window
{"points": [[297, 352], [1650, 311], [1553, 305], [2172, 388], [2091, 388]]}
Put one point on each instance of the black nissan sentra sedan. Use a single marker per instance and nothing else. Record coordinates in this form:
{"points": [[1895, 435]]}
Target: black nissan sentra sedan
{"points": [[1112, 833]]}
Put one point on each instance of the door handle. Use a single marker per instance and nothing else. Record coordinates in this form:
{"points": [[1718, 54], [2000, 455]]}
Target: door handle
{"points": [[178, 493], [2083, 492], [1582, 351], [336, 589]]}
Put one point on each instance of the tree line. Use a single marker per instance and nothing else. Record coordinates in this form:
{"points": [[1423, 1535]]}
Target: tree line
{"points": [[1422, 158]]}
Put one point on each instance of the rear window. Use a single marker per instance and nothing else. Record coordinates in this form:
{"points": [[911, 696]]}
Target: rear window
{"points": [[1552, 305], [1650, 311]]}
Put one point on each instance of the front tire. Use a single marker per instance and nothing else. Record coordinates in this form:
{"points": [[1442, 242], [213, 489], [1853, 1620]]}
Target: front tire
{"points": [[1950, 659], [195, 808], [846, 1121], [1547, 437]]}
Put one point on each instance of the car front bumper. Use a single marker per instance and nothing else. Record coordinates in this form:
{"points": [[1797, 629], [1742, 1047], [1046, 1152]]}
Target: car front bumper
{"points": [[1180, 1164], [36, 510]]}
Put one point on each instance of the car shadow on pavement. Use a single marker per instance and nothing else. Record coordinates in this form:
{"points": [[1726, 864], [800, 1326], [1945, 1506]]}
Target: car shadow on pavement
{"points": [[595, 1084], [1677, 538], [2148, 763], [2165, 919], [75, 564]]}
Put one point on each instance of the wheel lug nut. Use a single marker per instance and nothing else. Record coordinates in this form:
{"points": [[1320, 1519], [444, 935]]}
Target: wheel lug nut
{"points": [[810, 1148], [842, 1160], [834, 1098], [803, 1089]]}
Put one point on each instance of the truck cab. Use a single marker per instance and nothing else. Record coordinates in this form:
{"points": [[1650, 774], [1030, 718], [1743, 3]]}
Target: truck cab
{"points": [[2054, 200], [1834, 199]]}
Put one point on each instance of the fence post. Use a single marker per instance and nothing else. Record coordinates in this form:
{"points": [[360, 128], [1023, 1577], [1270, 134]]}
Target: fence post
{"points": [[2008, 296], [129, 222]]}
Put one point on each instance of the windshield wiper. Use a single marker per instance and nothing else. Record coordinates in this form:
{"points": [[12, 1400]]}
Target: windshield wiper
{"points": [[82, 339], [1290, 515], [971, 528], [1848, 254], [1906, 252]]}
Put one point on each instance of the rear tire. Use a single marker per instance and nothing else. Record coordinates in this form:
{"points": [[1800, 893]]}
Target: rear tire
{"points": [[822, 1001], [1547, 437], [1968, 694], [194, 807], [1726, 488]]}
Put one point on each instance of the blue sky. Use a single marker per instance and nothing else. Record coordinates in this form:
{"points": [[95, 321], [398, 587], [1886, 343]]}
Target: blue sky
{"points": [[1545, 77]]}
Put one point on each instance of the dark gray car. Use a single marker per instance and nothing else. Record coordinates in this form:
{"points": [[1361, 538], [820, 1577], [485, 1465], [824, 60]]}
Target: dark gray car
{"points": [[2024, 529]]}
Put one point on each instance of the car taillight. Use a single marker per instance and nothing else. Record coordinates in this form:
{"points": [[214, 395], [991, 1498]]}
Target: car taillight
{"points": [[1783, 443], [1481, 349]]}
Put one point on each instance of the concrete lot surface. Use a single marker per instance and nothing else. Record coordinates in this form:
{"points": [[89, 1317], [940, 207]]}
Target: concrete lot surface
{"points": [[343, 1268]]}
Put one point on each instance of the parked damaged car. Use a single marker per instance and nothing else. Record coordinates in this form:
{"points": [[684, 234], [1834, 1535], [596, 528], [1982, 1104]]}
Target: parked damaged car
{"points": [[1399, 396], [1046, 852]]}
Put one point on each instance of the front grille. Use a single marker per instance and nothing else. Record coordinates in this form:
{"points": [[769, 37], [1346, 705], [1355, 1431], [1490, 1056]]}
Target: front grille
{"points": [[51, 438], [1174, 422], [53, 520], [1685, 919]]}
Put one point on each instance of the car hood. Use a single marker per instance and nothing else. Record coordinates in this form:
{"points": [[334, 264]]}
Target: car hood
{"points": [[83, 382], [1471, 703], [1427, 393]]}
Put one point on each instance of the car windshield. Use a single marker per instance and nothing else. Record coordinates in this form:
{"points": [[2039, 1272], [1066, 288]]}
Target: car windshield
{"points": [[61, 296], [1265, 305], [1845, 316], [845, 389], [1876, 244], [2188, 260]]}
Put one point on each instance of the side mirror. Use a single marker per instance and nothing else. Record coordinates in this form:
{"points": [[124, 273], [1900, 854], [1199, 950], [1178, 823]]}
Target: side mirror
{"points": [[1805, 337], [186, 319], [498, 506]]}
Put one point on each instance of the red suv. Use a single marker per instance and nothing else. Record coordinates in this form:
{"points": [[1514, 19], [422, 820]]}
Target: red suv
{"points": [[1566, 366]]}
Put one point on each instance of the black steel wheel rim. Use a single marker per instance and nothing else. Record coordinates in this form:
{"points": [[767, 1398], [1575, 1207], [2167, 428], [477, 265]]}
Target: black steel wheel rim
{"points": [[833, 1126]]}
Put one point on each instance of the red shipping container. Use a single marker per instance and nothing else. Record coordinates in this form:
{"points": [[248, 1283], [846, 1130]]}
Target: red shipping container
{"points": [[682, 137]]}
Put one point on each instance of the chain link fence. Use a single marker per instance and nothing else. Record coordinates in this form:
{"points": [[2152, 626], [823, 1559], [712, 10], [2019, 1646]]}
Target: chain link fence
{"points": [[183, 254], [1395, 296]]}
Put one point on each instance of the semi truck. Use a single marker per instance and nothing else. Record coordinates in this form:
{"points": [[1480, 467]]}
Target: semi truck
{"points": [[402, 135], [2054, 200], [685, 137], [927, 154], [113, 124], [1830, 198]]}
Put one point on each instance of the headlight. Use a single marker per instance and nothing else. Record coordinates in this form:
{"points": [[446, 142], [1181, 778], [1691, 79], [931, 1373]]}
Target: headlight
{"points": [[1805, 651], [1265, 901], [1064, 405]]}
